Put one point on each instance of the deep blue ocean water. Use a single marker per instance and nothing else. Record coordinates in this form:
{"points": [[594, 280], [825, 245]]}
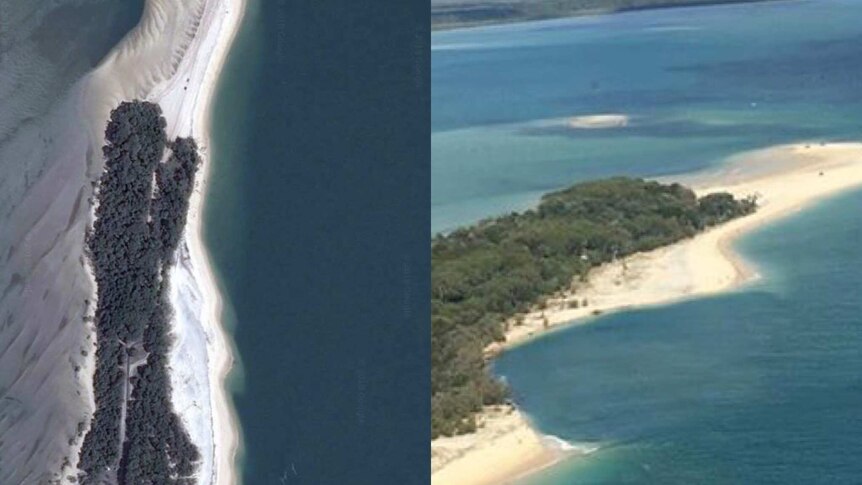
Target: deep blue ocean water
{"points": [[760, 385], [318, 143]]}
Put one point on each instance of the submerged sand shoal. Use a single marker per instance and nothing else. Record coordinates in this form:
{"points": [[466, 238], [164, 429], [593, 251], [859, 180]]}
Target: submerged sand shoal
{"points": [[785, 179], [598, 121]]}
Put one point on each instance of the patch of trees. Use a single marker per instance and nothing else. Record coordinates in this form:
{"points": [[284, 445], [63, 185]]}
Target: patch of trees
{"points": [[486, 273], [135, 436]]}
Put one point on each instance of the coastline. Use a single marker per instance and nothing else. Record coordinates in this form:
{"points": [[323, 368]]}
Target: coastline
{"points": [[225, 425], [173, 57], [218, 349], [785, 178]]}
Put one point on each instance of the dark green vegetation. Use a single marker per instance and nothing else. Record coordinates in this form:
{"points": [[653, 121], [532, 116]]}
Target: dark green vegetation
{"points": [[135, 437], [446, 14], [484, 274]]}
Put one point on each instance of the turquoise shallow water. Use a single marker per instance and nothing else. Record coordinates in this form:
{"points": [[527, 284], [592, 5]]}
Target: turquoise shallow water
{"points": [[760, 385], [699, 84]]}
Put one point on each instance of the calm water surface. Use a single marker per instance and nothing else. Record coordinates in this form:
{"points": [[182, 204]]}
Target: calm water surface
{"points": [[304, 222]]}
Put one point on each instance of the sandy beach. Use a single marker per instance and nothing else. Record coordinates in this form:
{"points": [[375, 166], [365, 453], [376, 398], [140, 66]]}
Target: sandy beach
{"points": [[190, 92], [785, 179], [504, 447], [173, 57]]}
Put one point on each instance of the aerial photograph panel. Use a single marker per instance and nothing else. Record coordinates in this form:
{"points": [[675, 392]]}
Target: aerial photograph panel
{"points": [[214, 233], [456, 242], [645, 227]]}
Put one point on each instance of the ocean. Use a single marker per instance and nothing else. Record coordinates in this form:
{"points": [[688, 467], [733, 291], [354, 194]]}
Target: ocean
{"points": [[321, 269], [758, 385]]}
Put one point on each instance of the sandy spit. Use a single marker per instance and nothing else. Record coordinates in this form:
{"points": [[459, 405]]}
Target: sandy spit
{"points": [[785, 179], [173, 57]]}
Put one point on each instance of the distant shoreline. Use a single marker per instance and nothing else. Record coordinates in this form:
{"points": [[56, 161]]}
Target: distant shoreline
{"points": [[798, 175], [464, 8]]}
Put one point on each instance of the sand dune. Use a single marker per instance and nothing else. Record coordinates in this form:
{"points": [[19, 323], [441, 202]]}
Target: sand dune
{"points": [[785, 179]]}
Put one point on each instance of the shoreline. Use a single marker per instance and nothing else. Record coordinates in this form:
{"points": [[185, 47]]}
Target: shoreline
{"points": [[785, 178], [220, 359], [225, 424]]}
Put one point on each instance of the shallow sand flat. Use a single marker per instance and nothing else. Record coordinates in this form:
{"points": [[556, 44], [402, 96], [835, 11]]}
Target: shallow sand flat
{"points": [[45, 351], [785, 179], [45, 347]]}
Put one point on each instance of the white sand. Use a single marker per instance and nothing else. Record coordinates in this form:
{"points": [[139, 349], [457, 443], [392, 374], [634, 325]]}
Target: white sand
{"points": [[785, 178], [593, 122], [173, 57]]}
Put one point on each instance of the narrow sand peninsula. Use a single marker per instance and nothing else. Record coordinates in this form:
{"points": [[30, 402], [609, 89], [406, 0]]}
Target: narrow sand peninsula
{"points": [[785, 179], [173, 58]]}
